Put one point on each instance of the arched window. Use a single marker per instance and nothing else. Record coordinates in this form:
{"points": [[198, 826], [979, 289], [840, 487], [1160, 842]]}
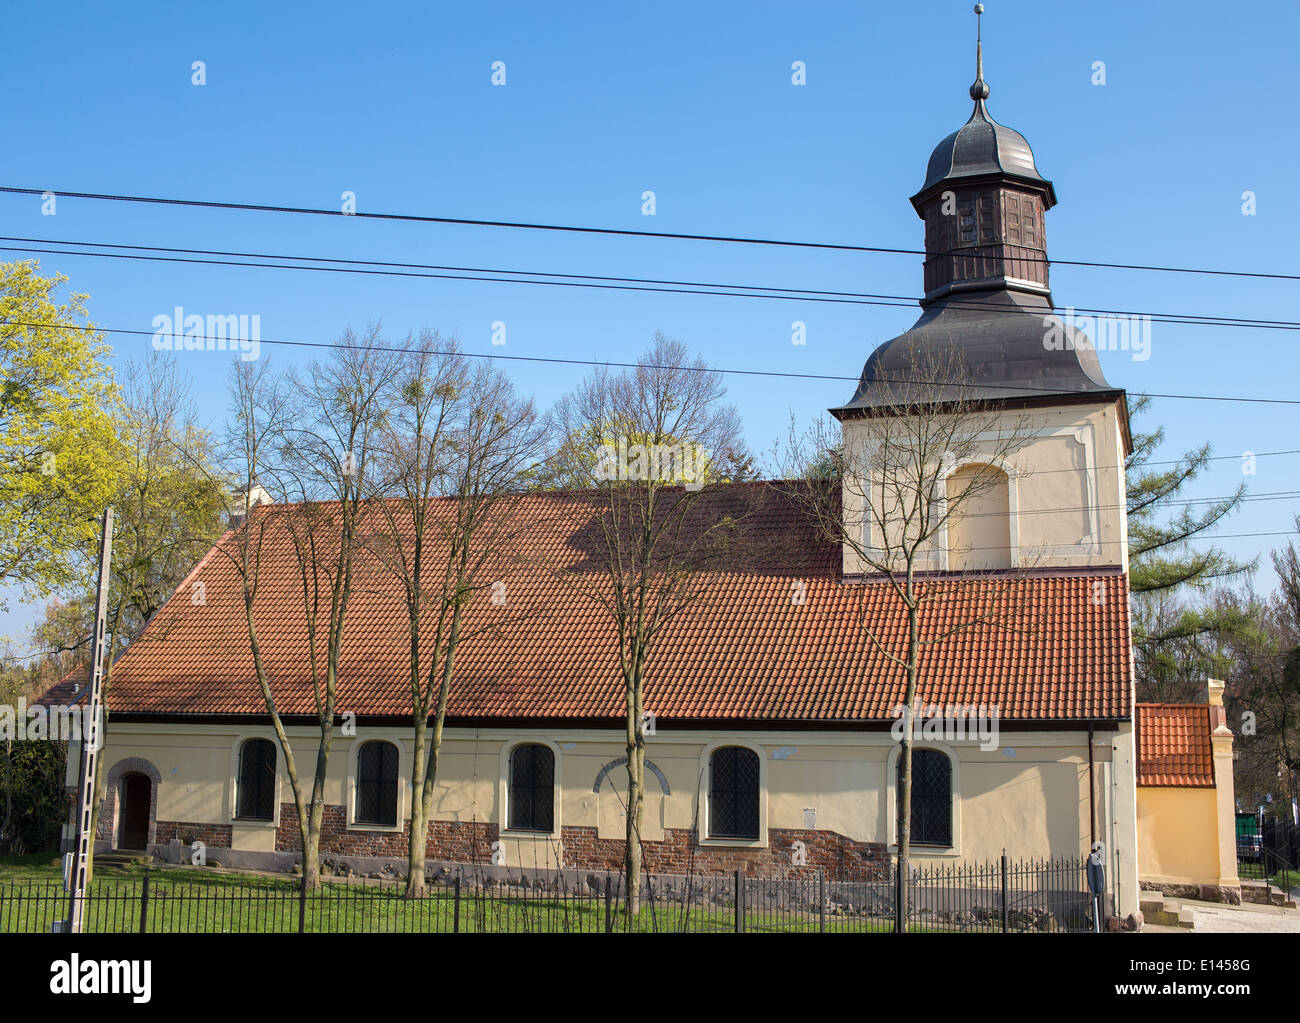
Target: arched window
{"points": [[377, 784], [532, 788], [733, 793], [255, 797], [979, 530], [931, 798]]}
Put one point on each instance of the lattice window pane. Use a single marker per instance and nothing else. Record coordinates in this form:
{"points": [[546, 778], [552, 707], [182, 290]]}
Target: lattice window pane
{"points": [[532, 788], [255, 798], [931, 798], [377, 784], [733, 793]]}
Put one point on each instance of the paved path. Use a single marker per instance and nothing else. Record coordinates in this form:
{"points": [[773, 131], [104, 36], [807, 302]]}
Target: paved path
{"points": [[1215, 918], [1248, 919]]}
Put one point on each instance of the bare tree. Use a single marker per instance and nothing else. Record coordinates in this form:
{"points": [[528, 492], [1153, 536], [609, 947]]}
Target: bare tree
{"points": [[898, 495], [653, 443], [307, 441], [169, 509], [450, 459]]}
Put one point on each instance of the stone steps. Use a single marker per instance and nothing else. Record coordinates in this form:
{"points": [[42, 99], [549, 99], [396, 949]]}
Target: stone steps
{"points": [[1157, 909], [122, 858], [1261, 893]]}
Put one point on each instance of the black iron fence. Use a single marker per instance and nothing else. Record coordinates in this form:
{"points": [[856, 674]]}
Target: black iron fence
{"points": [[1003, 896], [1270, 849]]}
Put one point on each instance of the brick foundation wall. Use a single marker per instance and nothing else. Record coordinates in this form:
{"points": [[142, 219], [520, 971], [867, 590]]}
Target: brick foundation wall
{"points": [[678, 853], [459, 841], [216, 836]]}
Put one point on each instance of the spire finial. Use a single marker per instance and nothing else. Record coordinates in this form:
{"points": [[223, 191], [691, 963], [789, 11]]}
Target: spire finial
{"points": [[979, 90]]}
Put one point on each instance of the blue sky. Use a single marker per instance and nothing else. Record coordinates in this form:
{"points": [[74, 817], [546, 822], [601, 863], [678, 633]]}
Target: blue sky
{"points": [[395, 103]]}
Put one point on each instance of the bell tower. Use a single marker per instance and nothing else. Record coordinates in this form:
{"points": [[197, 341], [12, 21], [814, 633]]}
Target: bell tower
{"points": [[990, 349]]}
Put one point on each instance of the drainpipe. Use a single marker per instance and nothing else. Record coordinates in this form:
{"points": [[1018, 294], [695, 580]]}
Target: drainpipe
{"points": [[1092, 796]]}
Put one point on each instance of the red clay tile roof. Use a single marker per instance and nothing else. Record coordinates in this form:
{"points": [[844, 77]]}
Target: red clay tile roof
{"points": [[1174, 745], [744, 651]]}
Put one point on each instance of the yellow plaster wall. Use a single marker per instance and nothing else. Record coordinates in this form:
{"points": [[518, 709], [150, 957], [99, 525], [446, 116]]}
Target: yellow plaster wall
{"points": [[1178, 837], [1068, 487], [1029, 795]]}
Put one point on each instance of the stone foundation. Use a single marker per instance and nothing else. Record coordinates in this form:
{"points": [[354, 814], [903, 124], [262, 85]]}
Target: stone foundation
{"points": [[368, 852], [680, 853], [1228, 894], [214, 836]]}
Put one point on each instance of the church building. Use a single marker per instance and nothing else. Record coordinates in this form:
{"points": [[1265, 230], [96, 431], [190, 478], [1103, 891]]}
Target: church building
{"points": [[774, 718]]}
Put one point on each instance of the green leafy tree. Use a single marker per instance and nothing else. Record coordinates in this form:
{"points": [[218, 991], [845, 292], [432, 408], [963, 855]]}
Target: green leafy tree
{"points": [[1173, 637], [31, 770], [60, 455], [169, 505]]}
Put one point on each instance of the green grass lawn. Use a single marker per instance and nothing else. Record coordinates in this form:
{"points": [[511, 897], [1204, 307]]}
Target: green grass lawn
{"points": [[49, 867], [30, 866]]}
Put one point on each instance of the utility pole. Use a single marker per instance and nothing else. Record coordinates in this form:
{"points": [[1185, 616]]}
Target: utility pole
{"points": [[91, 739]]}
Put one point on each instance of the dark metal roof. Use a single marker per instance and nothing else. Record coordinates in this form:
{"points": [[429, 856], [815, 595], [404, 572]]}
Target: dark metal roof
{"points": [[982, 147], [996, 346]]}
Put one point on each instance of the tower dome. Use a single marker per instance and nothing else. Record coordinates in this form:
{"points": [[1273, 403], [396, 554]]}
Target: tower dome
{"points": [[982, 147]]}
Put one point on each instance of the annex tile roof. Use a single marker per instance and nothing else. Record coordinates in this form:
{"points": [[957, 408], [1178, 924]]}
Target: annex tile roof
{"points": [[1173, 743], [774, 636], [69, 690]]}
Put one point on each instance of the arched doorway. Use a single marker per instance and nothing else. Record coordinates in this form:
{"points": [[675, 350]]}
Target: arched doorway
{"points": [[133, 831], [112, 817]]}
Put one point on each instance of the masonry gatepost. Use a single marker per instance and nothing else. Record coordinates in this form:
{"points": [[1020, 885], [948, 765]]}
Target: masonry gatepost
{"points": [[1224, 794], [1123, 871]]}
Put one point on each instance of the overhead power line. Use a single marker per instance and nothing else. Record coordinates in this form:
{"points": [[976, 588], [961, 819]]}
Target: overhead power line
{"points": [[1187, 503], [611, 231], [1025, 390], [1033, 549], [493, 275]]}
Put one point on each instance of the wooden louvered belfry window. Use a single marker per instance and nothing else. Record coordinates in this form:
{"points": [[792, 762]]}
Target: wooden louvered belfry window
{"points": [[966, 221]]}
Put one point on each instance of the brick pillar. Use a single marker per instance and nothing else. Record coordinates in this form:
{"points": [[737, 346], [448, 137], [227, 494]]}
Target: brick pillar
{"points": [[1225, 794]]}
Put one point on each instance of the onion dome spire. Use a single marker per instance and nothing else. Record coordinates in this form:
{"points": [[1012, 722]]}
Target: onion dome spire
{"points": [[979, 90]]}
